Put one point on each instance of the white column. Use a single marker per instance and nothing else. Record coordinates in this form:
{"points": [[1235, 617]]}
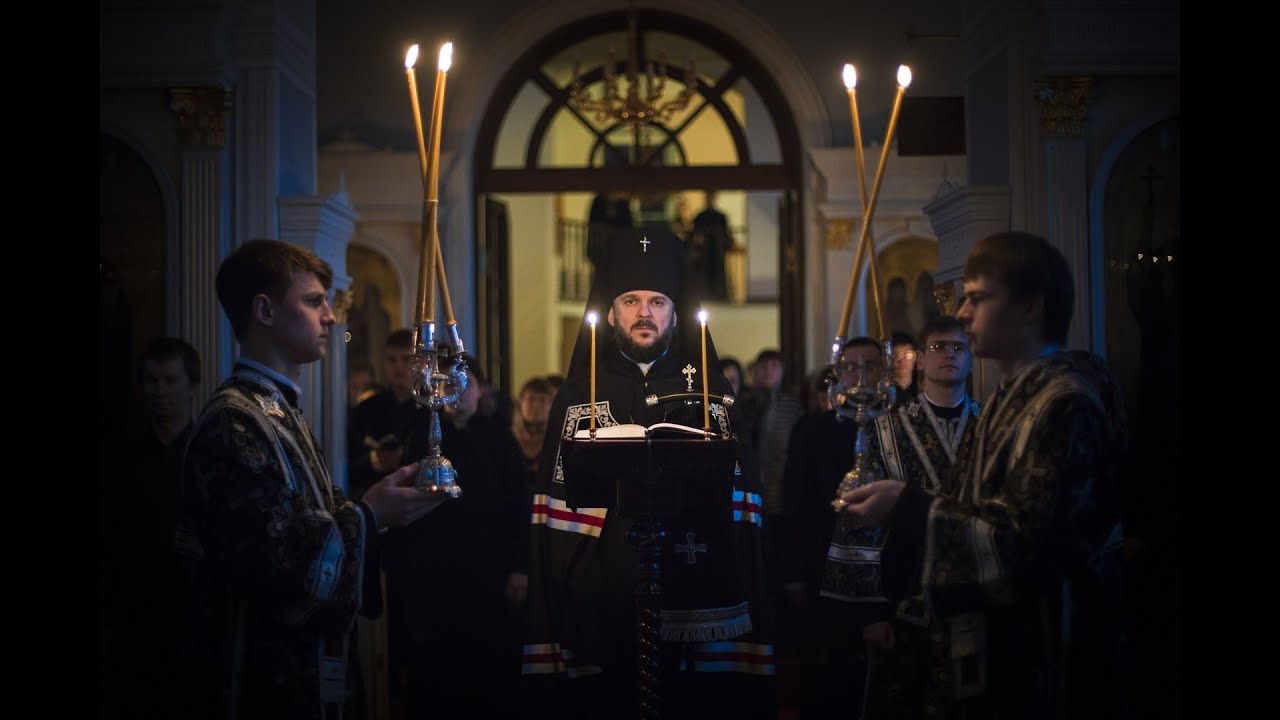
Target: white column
{"points": [[257, 153], [204, 227], [325, 225], [1063, 102]]}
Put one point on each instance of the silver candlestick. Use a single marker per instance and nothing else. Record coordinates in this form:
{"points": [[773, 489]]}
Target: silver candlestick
{"points": [[435, 472], [861, 400]]}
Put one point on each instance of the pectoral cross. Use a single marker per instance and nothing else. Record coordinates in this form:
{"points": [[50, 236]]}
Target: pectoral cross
{"points": [[690, 548], [688, 372], [645, 242]]}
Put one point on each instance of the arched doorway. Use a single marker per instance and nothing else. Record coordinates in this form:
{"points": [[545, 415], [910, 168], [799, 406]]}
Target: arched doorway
{"points": [[907, 264], [132, 261], [540, 165]]}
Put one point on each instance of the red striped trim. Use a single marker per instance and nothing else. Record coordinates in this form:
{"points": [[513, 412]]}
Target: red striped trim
{"points": [[746, 506], [734, 657], [543, 509]]}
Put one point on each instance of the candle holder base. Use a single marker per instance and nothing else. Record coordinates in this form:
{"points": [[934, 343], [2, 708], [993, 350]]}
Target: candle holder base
{"points": [[436, 474]]}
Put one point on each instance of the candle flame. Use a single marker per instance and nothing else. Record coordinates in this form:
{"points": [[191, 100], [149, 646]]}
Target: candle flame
{"points": [[702, 316], [446, 57], [411, 57], [904, 76], [592, 319], [850, 77]]}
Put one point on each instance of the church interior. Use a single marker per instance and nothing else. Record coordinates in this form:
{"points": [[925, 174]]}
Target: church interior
{"points": [[223, 122]]}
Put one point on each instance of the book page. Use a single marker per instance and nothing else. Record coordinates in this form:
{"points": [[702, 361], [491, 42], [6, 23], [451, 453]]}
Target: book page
{"points": [[636, 431]]}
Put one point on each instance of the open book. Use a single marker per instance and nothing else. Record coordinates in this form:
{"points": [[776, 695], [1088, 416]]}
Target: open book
{"points": [[662, 429]]}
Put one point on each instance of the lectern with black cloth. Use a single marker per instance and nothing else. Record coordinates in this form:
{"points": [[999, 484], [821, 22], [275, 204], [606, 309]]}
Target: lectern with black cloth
{"points": [[651, 482]]}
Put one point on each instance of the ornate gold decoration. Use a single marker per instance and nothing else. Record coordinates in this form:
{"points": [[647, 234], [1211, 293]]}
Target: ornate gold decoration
{"points": [[342, 301], [1063, 102], [944, 294], [840, 233], [202, 115], [636, 107]]}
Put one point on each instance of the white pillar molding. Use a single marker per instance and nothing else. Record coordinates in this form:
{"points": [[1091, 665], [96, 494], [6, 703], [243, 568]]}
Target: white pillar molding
{"points": [[1063, 103], [961, 218], [325, 226], [257, 154], [204, 225]]}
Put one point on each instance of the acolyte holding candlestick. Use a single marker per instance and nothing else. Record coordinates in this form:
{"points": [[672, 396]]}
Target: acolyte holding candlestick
{"points": [[435, 472]]}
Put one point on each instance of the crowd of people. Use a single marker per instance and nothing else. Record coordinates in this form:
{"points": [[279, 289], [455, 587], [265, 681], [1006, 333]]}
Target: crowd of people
{"points": [[978, 577]]}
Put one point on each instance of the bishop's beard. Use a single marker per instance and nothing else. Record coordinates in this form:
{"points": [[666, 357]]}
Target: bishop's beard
{"points": [[642, 353]]}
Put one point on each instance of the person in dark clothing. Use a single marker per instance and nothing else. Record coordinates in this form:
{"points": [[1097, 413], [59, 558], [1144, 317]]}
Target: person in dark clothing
{"points": [[456, 585], [1022, 550], [276, 554], [146, 592], [715, 644], [376, 428]]}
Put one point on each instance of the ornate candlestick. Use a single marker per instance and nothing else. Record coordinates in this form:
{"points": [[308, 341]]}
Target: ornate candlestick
{"points": [[862, 402]]}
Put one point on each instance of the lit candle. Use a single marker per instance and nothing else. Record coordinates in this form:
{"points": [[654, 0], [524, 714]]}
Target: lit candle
{"points": [[410, 59], [592, 319], [432, 256], [706, 397], [904, 80], [850, 76]]}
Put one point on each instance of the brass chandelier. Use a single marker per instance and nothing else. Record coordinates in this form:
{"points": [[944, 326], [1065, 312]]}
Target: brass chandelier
{"points": [[635, 108]]}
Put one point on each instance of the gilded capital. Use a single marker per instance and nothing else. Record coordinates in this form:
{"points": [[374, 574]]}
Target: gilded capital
{"points": [[202, 115], [840, 233], [342, 301], [1063, 102]]}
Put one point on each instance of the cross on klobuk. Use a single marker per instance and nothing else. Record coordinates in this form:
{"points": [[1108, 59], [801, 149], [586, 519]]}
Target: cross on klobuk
{"points": [[645, 242], [688, 372], [690, 547]]}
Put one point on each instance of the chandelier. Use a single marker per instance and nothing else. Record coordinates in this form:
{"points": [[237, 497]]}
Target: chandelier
{"points": [[635, 108]]}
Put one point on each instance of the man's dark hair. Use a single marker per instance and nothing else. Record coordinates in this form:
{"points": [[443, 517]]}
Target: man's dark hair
{"points": [[161, 349], [402, 339], [770, 354], [861, 341], [727, 362], [1029, 267], [555, 381], [263, 267], [901, 338], [937, 326], [535, 385]]}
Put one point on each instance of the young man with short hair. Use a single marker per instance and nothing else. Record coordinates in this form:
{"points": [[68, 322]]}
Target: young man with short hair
{"points": [[277, 551], [1016, 568]]}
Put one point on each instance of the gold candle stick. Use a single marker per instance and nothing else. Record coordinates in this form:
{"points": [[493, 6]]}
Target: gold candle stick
{"points": [[427, 298], [850, 76], [592, 319], [706, 397], [411, 59], [904, 80]]}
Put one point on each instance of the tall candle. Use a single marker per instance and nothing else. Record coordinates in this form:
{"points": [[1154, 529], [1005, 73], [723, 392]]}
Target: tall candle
{"points": [[410, 59], [592, 319], [433, 177], [706, 397], [904, 80]]}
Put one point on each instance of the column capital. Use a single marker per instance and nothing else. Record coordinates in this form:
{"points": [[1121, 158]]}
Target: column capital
{"points": [[202, 116], [1063, 104]]}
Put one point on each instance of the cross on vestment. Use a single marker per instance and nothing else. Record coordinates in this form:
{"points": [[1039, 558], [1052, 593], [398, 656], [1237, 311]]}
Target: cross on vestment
{"points": [[645, 242], [688, 372], [689, 547]]}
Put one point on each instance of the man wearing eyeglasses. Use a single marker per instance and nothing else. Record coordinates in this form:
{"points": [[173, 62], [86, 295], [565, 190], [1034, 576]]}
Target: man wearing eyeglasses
{"points": [[1020, 554], [918, 442]]}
